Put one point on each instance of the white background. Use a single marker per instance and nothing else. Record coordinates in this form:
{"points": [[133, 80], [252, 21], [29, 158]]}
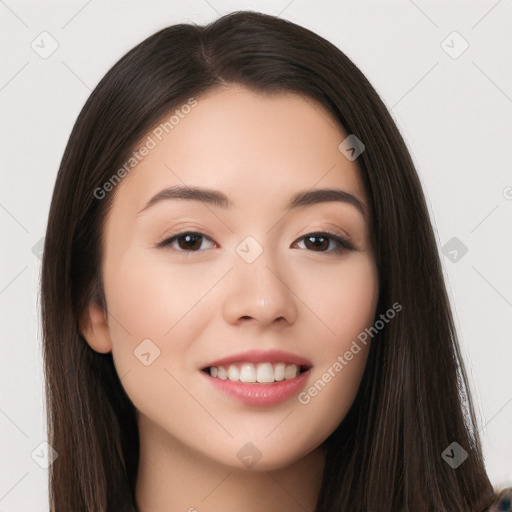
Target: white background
{"points": [[455, 115]]}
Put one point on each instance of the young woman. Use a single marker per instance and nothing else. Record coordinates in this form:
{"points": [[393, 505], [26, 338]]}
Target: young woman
{"points": [[242, 298]]}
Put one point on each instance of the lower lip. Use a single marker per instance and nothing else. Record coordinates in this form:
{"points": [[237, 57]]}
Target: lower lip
{"points": [[261, 394]]}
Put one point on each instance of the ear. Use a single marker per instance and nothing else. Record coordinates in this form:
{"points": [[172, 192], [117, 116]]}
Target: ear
{"points": [[94, 328]]}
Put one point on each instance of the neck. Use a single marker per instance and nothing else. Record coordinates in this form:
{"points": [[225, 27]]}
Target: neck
{"points": [[174, 478]]}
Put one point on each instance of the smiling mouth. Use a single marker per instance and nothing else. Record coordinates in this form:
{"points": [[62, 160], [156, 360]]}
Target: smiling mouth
{"points": [[260, 373]]}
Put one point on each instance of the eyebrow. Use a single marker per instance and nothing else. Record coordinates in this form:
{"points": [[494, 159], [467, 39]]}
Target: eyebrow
{"points": [[220, 200]]}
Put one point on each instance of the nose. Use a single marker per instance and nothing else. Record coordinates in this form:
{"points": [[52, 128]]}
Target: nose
{"points": [[259, 293]]}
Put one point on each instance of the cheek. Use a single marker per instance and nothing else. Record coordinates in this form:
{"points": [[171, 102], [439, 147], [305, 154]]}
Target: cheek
{"points": [[345, 301], [151, 298], [353, 308], [342, 299], [156, 310]]}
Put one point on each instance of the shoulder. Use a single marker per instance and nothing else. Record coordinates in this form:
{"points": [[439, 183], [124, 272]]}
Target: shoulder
{"points": [[502, 501]]}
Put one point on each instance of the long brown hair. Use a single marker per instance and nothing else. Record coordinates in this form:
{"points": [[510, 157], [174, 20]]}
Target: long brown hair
{"points": [[413, 401]]}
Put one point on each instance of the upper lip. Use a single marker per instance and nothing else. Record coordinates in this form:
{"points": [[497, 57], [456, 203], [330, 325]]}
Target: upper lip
{"points": [[262, 356]]}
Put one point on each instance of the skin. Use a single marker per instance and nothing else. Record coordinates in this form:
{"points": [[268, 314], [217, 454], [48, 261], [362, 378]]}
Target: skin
{"points": [[200, 306]]}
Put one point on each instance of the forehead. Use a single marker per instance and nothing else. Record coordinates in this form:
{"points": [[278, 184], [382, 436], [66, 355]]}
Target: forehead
{"points": [[246, 144]]}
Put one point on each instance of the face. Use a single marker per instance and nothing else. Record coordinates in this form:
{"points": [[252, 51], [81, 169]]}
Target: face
{"points": [[246, 280]]}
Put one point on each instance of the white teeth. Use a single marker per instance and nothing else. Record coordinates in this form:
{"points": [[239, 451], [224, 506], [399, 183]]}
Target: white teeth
{"points": [[262, 372], [248, 373], [265, 373], [233, 373], [279, 371], [290, 371]]}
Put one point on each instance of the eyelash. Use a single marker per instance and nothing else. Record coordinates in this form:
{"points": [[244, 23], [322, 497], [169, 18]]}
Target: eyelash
{"points": [[343, 243]]}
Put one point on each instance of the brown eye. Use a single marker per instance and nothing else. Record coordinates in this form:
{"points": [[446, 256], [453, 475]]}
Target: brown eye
{"points": [[187, 241], [320, 242], [317, 242]]}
